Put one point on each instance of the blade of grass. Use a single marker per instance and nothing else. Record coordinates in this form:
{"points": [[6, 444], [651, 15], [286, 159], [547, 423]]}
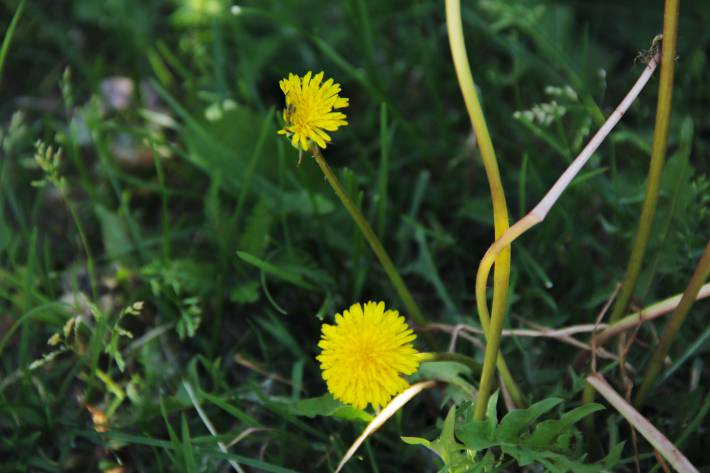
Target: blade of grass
{"points": [[9, 34], [680, 361], [701, 273], [208, 423], [274, 270], [383, 172]]}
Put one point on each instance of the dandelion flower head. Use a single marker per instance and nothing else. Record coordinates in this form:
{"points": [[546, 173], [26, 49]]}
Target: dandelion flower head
{"points": [[366, 353], [309, 112]]}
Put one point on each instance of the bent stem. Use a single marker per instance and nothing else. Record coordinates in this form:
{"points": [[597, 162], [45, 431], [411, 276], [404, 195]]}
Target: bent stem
{"points": [[702, 270], [538, 214], [658, 152], [371, 238], [500, 217]]}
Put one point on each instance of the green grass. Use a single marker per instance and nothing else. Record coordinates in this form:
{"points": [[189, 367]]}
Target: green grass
{"points": [[191, 203]]}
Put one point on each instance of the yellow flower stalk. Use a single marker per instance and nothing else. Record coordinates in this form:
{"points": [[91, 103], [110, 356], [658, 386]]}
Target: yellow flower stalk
{"points": [[309, 112], [366, 353]]}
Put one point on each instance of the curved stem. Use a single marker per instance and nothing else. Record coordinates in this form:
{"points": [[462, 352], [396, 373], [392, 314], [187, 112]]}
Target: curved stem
{"points": [[540, 211], [500, 215], [658, 153], [702, 270], [371, 238]]}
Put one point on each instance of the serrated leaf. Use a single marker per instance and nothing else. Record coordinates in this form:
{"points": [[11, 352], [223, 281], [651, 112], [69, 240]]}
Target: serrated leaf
{"points": [[547, 431], [517, 421], [445, 446], [480, 434]]}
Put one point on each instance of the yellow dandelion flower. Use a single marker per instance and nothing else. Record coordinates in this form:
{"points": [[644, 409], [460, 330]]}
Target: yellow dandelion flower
{"points": [[309, 109], [365, 353]]}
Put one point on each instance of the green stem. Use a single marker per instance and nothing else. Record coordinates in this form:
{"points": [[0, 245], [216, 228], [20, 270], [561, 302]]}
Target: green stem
{"points": [[658, 152], [702, 271], [371, 238], [84, 242], [590, 435], [457, 357], [493, 327]]}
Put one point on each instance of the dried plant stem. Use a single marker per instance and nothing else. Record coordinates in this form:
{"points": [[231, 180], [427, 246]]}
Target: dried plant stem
{"points": [[538, 214], [658, 153], [642, 425], [371, 238], [491, 325], [702, 270], [648, 313], [394, 405]]}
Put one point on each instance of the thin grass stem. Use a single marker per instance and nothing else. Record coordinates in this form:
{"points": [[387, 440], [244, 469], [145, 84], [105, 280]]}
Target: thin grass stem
{"points": [[702, 271], [658, 154]]}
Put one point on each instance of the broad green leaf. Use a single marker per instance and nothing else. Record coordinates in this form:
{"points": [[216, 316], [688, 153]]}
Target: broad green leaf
{"points": [[517, 421], [480, 434], [448, 372], [546, 432]]}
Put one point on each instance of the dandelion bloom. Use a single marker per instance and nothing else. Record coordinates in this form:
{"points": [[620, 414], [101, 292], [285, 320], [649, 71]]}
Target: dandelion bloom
{"points": [[309, 109], [365, 353]]}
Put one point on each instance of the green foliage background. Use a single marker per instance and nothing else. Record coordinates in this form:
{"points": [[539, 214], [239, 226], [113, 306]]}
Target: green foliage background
{"points": [[239, 255]]}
